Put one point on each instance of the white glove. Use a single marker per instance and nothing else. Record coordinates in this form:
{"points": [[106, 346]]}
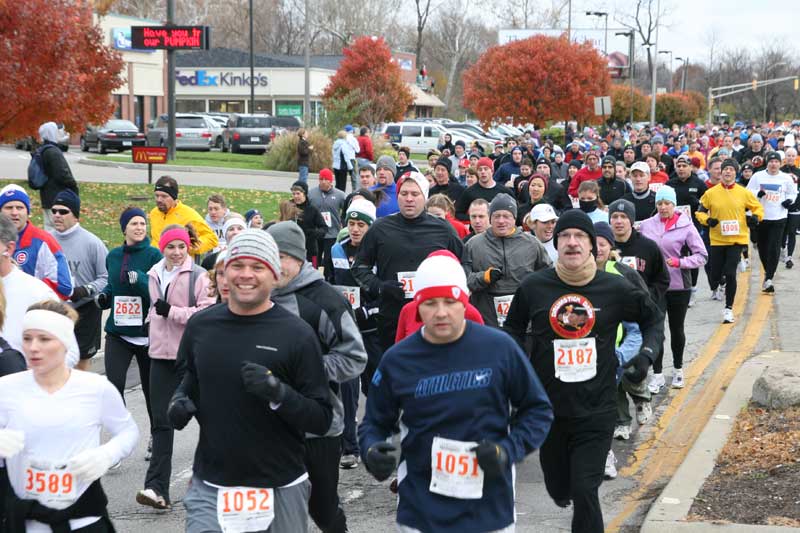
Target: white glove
{"points": [[133, 276], [11, 443], [90, 464]]}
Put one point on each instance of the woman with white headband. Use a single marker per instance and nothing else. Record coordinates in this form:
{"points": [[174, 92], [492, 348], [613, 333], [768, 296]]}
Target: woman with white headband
{"points": [[51, 418]]}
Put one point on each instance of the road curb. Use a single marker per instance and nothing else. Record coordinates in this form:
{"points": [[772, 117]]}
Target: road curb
{"points": [[181, 168], [670, 510]]}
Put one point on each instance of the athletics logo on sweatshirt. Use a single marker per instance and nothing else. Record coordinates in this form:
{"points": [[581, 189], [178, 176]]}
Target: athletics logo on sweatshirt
{"points": [[572, 316], [478, 378]]}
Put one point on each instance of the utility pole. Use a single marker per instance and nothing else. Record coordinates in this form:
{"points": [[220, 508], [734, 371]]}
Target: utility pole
{"points": [[170, 87], [252, 65], [569, 20], [671, 84], [307, 72], [655, 69]]}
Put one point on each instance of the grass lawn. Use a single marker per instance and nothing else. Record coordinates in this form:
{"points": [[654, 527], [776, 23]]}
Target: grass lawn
{"points": [[102, 203], [199, 159]]}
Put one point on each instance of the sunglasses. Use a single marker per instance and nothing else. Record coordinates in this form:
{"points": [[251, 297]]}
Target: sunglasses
{"points": [[59, 211]]}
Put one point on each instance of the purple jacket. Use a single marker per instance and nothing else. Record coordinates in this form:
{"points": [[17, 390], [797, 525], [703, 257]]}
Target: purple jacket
{"points": [[682, 241]]}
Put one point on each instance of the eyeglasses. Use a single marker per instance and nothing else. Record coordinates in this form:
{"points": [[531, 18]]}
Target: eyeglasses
{"points": [[59, 211]]}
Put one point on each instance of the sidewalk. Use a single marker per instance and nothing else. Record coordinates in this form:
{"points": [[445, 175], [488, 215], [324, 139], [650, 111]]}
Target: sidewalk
{"points": [[669, 512]]}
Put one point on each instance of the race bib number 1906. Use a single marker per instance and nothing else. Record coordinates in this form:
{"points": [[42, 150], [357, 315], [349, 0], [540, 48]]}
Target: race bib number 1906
{"points": [[242, 509]]}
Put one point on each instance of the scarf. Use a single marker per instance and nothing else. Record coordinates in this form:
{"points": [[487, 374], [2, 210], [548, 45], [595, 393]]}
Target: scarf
{"points": [[580, 277]]}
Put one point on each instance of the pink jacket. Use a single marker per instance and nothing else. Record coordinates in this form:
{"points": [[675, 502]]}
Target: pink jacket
{"points": [[682, 241], [165, 333]]}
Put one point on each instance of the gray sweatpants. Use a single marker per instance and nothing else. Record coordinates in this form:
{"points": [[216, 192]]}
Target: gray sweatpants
{"points": [[291, 508], [405, 529]]}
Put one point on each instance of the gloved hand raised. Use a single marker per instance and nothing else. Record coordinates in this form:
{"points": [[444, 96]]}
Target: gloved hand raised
{"points": [[180, 411], [12, 442], [392, 290], [79, 293], [162, 307], [636, 368], [787, 203], [90, 465], [102, 300], [379, 461], [492, 275], [761, 193], [260, 381], [492, 457], [712, 222]]}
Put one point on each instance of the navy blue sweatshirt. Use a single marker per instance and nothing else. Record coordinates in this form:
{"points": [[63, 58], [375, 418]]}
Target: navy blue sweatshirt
{"points": [[461, 391]]}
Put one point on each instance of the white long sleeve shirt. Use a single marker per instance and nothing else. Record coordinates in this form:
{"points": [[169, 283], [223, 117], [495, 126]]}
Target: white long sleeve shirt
{"points": [[778, 187], [60, 425]]}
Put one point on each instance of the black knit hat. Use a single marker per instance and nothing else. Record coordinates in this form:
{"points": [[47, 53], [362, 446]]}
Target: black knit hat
{"points": [[623, 206], [303, 186], [443, 162], [575, 218], [731, 162], [609, 159]]}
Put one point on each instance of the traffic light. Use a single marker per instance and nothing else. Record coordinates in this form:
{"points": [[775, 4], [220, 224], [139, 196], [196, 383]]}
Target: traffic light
{"points": [[796, 84], [755, 84]]}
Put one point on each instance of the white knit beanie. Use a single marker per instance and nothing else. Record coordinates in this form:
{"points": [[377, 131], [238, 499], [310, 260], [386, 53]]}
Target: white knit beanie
{"points": [[441, 276]]}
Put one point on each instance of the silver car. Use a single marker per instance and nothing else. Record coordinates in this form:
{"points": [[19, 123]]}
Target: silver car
{"points": [[192, 132]]}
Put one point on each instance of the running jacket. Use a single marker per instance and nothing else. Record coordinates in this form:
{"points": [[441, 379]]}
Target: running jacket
{"points": [[778, 188], [39, 254], [644, 256], [182, 214], [462, 391], [682, 241], [541, 303], [723, 203]]}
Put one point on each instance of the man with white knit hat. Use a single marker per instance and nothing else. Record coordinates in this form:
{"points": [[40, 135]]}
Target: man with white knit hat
{"points": [[255, 403], [456, 469]]}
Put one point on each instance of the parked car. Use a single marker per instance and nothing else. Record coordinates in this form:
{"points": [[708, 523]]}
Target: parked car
{"points": [[248, 132], [192, 131], [219, 123], [115, 134], [419, 136], [29, 144]]}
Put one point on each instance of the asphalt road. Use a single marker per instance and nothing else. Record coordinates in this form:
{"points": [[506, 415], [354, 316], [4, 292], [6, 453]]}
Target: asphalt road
{"points": [[369, 505]]}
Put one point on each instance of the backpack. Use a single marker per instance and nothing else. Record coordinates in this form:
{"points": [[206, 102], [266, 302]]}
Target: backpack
{"points": [[36, 175]]}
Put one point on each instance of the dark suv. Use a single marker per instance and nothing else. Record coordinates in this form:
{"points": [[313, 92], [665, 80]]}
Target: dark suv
{"points": [[255, 132]]}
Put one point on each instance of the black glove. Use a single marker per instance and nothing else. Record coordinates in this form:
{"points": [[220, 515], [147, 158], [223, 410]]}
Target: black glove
{"points": [[258, 380], [787, 203], [180, 411], [752, 221], [492, 458], [102, 301], [379, 461], [79, 293], [712, 222], [162, 308], [636, 368], [392, 290], [761, 193], [492, 275]]}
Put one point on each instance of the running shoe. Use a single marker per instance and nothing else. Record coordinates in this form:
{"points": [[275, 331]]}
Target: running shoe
{"points": [[152, 499], [783, 254], [767, 286], [348, 461], [611, 468], [744, 264], [718, 294], [644, 411], [677, 379], [789, 262], [727, 316], [622, 432], [656, 383]]}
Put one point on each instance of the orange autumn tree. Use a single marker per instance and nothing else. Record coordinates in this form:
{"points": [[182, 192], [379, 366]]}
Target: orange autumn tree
{"points": [[536, 79], [54, 67], [368, 69]]}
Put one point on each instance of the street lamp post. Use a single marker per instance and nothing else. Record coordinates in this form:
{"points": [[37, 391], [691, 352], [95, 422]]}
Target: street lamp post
{"points": [[631, 48], [683, 73], [671, 84], [605, 16], [766, 75], [655, 68]]}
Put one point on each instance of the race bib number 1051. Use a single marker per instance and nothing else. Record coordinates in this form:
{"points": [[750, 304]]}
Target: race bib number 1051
{"points": [[454, 469]]}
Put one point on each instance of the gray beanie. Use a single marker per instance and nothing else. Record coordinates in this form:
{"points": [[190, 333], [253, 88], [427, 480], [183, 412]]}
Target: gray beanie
{"points": [[386, 161], [625, 207], [290, 239], [255, 244], [503, 202]]}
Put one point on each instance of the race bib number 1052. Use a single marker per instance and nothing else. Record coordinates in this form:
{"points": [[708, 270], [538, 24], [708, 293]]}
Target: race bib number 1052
{"points": [[242, 509]]}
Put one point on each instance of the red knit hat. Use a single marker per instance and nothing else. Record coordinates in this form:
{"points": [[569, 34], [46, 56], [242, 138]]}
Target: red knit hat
{"points": [[325, 175], [485, 162]]}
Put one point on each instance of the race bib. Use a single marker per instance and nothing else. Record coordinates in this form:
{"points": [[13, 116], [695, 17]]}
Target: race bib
{"points": [[407, 279], [773, 197], [637, 225], [575, 360], [351, 294], [50, 486], [729, 227], [501, 306], [454, 469], [326, 216], [629, 261], [127, 310], [576, 203], [242, 509], [685, 209], [655, 186]]}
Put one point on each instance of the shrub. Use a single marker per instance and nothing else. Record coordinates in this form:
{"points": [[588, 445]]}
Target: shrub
{"points": [[342, 110], [557, 134], [282, 154], [381, 146]]}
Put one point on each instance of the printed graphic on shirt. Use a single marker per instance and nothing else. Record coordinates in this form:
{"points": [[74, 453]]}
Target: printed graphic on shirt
{"points": [[572, 316], [21, 258], [453, 382]]}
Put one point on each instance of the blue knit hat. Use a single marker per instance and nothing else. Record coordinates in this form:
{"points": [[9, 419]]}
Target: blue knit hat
{"points": [[128, 214], [14, 193], [70, 200], [665, 192]]}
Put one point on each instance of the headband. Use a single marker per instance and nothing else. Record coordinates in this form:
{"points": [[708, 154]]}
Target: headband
{"points": [[56, 324], [175, 234], [172, 191]]}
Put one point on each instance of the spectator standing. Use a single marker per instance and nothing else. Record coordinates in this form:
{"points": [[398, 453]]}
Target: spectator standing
{"points": [[55, 166], [303, 154]]}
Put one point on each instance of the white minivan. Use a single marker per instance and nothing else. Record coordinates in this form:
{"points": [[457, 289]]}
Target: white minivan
{"points": [[419, 136]]}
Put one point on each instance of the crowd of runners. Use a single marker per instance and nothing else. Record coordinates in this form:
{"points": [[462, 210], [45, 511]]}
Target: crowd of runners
{"points": [[485, 305]]}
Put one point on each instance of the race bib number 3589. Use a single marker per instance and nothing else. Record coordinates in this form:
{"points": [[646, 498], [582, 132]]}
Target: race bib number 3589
{"points": [[242, 509], [50, 485]]}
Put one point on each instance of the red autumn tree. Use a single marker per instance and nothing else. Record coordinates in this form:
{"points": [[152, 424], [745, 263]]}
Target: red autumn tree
{"points": [[621, 104], [54, 67], [368, 68], [536, 79]]}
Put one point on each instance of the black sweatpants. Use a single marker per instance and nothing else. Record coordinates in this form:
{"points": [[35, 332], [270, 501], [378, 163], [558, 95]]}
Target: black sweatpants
{"points": [[677, 306], [372, 344], [324, 246], [790, 233], [350, 390], [573, 459], [322, 462], [770, 237], [340, 174], [724, 260], [118, 355], [163, 382]]}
